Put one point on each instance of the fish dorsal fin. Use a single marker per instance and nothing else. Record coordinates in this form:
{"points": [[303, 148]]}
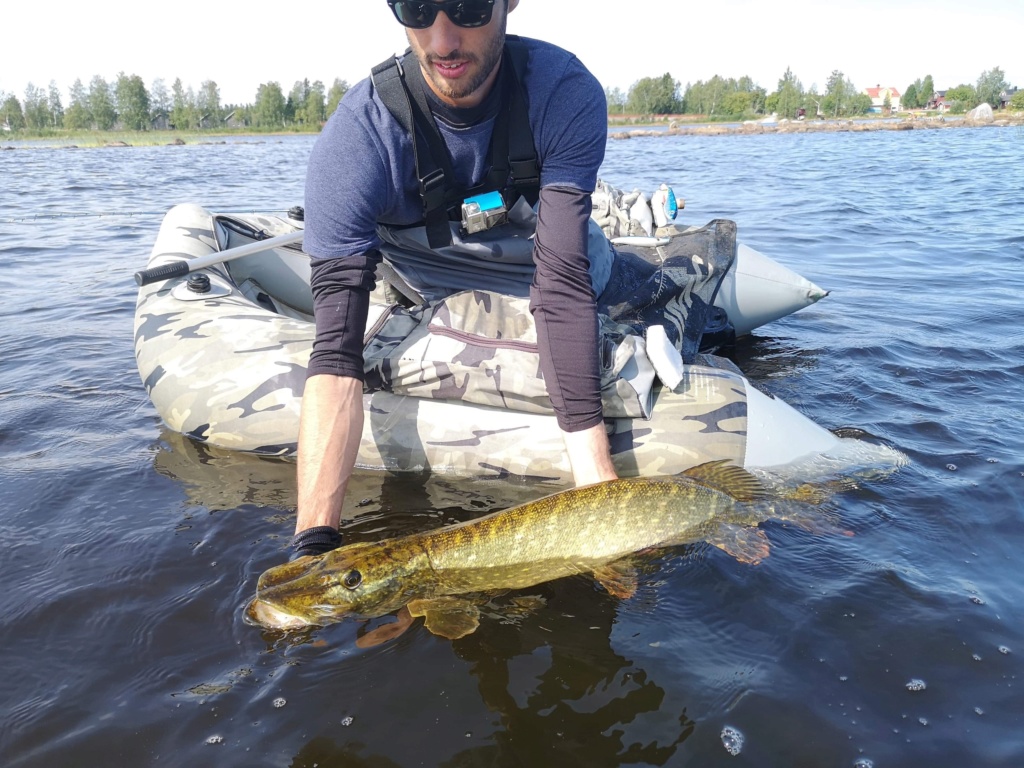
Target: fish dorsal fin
{"points": [[728, 478], [618, 578], [448, 617], [748, 545]]}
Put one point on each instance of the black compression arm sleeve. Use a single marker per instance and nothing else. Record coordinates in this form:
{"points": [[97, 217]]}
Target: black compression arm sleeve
{"points": [[564, 308], [341, 299]]}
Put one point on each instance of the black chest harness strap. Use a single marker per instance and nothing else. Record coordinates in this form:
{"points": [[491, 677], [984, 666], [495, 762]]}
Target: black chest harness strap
{"points": [[514, 172]]}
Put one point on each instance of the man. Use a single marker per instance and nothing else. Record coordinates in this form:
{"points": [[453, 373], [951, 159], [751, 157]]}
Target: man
{"points": [[366, 188]]}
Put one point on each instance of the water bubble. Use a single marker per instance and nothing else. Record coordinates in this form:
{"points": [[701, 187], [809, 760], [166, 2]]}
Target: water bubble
{"points": [[916, 685], [732, 740], [214, 739], [346, 721], [279, 702], [863, 762]]}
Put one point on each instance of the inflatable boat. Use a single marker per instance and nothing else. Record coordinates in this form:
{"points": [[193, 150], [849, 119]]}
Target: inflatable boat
{"points": [[223, 350]]}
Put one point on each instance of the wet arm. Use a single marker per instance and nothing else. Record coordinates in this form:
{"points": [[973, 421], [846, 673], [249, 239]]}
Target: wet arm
{"points": [[331, 422]]}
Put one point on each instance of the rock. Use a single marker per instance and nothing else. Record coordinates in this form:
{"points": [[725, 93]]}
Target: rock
{"points": [[981, 114]]}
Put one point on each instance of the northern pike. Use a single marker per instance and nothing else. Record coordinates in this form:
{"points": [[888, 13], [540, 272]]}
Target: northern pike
{"points": [[591, 529]]}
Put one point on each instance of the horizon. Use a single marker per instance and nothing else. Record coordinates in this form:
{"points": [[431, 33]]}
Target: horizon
{"points": [[653, 39]]}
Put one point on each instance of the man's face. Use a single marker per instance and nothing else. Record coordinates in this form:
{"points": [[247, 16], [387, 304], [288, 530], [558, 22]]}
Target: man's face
{"points": [[459, 64]]}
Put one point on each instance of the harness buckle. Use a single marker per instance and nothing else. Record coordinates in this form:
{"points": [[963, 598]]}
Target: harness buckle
{"points": [[526, 172], [432, 190]]}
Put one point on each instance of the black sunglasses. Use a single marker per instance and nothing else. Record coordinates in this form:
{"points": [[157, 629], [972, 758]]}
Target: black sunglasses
{"points": [[463, 13]]}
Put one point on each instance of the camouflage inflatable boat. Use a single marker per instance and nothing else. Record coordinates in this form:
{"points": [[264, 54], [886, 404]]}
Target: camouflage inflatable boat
{"points": [[223, 353]]}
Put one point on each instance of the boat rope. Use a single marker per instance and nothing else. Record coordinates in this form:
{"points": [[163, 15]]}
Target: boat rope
{"points": [[112, 214]]}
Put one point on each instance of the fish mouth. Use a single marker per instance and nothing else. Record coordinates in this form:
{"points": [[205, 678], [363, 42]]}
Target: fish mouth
{"points": [[271, 617]]}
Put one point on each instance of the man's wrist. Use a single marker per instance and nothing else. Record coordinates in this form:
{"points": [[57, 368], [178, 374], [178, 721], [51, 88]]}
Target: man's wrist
{"points": [[315, 541]]}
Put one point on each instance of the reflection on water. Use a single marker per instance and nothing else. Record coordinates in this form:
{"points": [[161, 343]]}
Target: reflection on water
{"points": [[559, 682], [218, 479]]}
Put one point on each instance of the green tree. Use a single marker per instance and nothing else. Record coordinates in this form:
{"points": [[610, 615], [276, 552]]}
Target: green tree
{"points": [[910, 98], [338, 89], [132, 102], [791, 95], [706, 98], [11, 113], [159, 101], [314, 111], [738, 104], [857, 104], [295, 111], [758, 96], [990, 87], [654, 96], [836, 96], [184, 115], [55, 106], [1017, 100], [36, 108], [208, 104], [101, 104], [616, 100], [78, 117], [269, 109], [962, 98], [926, 92]]}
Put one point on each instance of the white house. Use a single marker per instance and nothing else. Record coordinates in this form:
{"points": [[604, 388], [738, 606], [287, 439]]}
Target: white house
{"points": [[878, 96]]}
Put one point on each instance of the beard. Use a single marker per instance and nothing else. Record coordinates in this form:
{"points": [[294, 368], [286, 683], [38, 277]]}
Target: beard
{"points": [[480, 68]]}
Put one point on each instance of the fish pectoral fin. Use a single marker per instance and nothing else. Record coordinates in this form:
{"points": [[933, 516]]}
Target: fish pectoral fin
{"points": [[385, 632], [618, 578], [448, 617], [746, 544]]}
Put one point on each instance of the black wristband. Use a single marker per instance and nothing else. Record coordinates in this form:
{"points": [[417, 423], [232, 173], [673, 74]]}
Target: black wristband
{"points": [[315, 541]]}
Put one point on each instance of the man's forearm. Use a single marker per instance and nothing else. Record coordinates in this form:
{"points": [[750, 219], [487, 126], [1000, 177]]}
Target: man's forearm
{"points": [[589, 455], [330, 427]]}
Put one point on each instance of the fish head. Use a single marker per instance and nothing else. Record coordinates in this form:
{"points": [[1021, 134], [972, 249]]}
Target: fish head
{"points": [[358, 580]]}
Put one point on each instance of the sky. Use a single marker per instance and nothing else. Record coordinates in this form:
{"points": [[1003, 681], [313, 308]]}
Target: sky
{"points": [[241, 45]]}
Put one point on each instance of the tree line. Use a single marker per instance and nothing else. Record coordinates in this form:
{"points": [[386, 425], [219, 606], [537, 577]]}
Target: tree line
{"points": [[127, 104], [722, 98]]}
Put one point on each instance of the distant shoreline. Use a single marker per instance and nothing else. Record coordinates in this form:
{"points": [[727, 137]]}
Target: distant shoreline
{"points": [[116, 139], [757, 127], [672, 127]]}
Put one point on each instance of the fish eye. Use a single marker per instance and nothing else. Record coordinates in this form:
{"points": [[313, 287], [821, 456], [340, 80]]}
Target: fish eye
{"points": [[352, 579]]}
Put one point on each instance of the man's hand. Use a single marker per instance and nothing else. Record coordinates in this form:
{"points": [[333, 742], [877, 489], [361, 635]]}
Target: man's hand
{"points": [[589, 455]]}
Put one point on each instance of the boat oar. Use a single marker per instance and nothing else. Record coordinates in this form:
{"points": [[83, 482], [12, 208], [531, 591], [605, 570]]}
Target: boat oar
{"points": [[184, 266]]}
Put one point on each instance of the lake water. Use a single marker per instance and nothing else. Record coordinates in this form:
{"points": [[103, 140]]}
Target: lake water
{"points": [[129, 552]]}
